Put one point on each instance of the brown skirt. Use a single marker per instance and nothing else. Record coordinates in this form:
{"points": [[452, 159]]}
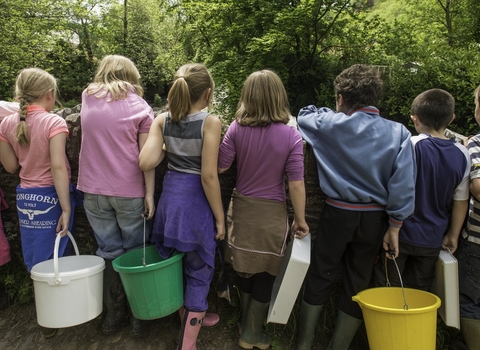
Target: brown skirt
{"points": [[257, 234]]}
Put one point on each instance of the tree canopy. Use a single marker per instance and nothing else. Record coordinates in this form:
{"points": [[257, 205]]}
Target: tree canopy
{"points": [[416, 44]]}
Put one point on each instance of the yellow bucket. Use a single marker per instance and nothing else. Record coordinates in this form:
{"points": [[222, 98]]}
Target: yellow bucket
{"points": [[390, 326]]}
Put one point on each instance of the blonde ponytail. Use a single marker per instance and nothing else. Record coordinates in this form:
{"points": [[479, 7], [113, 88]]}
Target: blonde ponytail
{"points": [[30, 86]]}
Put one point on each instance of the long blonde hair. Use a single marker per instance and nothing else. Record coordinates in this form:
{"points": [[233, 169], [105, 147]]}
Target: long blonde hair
{"points": [[477, 95], [30, 86], [190, 83], [263, 100], [116, 75]]}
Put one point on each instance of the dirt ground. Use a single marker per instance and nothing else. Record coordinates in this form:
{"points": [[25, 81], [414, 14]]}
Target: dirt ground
{"points": [[19, 330]]}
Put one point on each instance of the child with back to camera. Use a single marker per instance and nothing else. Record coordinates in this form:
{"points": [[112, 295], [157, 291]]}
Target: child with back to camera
{"points": [[443, 168], [190, 214], [265, 149], [469, 248], [118, 194], [33, 139], [366, 169]]}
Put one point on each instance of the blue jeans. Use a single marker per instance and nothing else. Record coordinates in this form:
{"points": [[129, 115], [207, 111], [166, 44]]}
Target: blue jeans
{"points": [[117, 223], [468, 256]]}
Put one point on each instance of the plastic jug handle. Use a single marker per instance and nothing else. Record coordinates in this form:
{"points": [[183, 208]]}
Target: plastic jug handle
{"points": [[58, 280]]}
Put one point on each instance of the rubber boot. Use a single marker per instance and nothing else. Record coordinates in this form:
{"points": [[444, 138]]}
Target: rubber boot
{"points": [[211, 319], [47, 332], [345, 329], [307, 323], [138, 327], [244, 303], [471, 332], [115, 300], [191, 324], [252, 335]]}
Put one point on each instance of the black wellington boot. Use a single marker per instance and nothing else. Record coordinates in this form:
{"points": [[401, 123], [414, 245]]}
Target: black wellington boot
{"points": [[115, 300]]}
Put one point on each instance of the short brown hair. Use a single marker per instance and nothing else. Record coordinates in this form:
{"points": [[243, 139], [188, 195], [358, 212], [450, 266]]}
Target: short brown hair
{"points": [[360, 85], [263, 100], [434, 108]]}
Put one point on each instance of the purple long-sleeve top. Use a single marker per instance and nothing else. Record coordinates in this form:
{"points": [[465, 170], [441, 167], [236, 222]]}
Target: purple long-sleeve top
{"points": [[265, 154]]}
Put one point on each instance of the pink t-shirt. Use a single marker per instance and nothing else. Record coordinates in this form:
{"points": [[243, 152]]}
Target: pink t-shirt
{"points": [[34, 158], [108, 163], [264, 155]]}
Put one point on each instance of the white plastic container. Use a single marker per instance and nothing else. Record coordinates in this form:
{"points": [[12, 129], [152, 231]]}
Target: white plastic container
{"points": [[68, 290], [445, 286], [289, 280]]}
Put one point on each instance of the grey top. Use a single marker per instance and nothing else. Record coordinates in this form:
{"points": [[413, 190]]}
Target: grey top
{"points": [[184, 141]]}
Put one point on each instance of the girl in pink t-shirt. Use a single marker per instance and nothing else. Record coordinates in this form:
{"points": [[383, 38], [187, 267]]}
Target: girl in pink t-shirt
{"points": [[117, 194], [34, 140]]}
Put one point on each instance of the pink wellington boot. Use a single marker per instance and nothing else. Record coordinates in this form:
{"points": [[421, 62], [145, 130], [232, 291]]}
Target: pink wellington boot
{"points": [[191, 324], [211, 319]]}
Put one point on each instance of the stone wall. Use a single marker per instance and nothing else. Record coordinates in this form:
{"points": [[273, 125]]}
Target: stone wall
{"points": [[85, 240]]}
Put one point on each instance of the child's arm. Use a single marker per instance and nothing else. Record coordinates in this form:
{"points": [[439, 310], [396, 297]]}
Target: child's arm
{"points": [[227, 151], [60, 179], [149, 177], [459, 211], [8, 158], [152, 152], [475, 188], [211, 185], [297, 195]]}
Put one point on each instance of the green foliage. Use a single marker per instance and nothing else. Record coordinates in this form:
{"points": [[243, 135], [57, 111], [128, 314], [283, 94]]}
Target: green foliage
{"points": [[157, 101]]}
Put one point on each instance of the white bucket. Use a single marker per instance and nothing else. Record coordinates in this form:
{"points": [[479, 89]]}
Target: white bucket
{"points": [[68, 290]]}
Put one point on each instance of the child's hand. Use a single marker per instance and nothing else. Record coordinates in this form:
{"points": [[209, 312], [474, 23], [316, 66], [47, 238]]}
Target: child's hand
{"points": [[390, 241], [63, 223], [450, 243], [220, 231], [299, 229], [149, 205]]}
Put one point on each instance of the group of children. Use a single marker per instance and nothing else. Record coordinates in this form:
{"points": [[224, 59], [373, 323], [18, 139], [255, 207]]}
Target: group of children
{"points": [[388, 193], [381, 184]]}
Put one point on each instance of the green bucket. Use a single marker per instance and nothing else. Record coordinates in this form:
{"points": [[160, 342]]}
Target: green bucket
{"points": [[154, 290]]}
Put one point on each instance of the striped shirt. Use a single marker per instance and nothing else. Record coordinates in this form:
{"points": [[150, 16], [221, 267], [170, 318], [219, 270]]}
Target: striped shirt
{"points": [[473, 223], [184, 141]]}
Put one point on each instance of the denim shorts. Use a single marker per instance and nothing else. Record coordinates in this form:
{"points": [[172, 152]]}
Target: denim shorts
{"points": [[468, 256], [117, 223]]}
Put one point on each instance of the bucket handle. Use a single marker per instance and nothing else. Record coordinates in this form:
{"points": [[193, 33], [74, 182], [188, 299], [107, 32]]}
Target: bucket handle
{"points": [[392, 254], [144, 224], [58, 280]]}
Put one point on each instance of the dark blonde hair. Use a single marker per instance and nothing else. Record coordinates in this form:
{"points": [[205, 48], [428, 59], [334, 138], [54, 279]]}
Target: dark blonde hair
{"points": [[189, 84], [116, 75], [263, 100], [477, 95], [31, 85]]}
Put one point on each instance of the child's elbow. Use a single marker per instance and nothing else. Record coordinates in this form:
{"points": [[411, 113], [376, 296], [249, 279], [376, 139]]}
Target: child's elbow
{"points": [[209, 178]]}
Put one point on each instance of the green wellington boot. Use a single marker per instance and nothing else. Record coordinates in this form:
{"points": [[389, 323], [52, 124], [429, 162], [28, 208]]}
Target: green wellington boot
{"points": [[345, 329], [307, 323], [471, 332], [244, 303], [252, 335]]}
